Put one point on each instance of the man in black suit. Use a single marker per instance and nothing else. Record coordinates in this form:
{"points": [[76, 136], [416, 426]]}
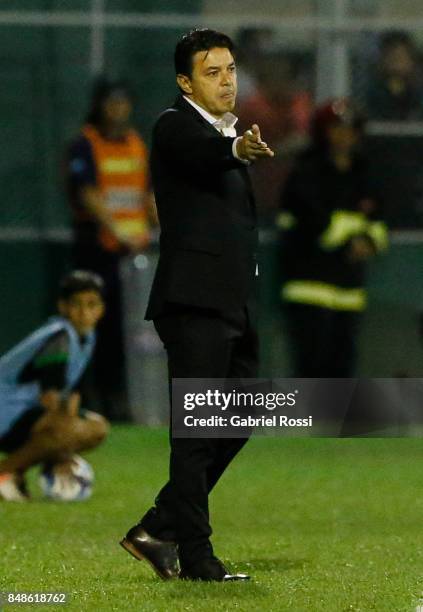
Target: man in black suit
{"points": [[204, 280]]}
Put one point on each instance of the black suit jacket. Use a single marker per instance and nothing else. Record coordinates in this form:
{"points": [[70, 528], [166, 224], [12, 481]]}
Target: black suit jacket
{"points": [[208, 242]]}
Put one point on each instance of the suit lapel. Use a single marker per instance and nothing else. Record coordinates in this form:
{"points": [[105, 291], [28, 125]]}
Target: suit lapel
{"points": [[183, 105]]}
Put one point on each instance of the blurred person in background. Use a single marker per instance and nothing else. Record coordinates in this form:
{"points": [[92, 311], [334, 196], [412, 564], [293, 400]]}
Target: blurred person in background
{"points": [[107, 175], [251, 43], [40, 416], [331, 227], [283, 111], [395, 92]]}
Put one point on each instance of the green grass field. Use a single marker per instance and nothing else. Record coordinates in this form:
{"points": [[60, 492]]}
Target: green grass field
{"points": [[320, 524]]}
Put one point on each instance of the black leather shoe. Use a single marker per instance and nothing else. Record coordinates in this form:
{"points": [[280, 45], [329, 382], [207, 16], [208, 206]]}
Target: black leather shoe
{"points": [[161, 555], [211, 570]]}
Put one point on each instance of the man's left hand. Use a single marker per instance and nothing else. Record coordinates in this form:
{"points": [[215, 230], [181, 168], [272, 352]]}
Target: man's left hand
{"points": [[251, 147]]}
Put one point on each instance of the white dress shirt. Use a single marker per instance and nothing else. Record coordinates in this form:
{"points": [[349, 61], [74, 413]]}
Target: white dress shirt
{"points": [[225, 125]]}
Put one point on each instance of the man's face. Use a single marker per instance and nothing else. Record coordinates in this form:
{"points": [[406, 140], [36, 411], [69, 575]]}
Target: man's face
{"points": [[213, 83], [83, 309]]}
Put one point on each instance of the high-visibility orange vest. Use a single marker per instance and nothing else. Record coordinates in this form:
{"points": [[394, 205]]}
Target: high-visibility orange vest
{"points": [[122, 176]]}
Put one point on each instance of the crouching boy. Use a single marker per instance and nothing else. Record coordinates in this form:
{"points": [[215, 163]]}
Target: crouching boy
{"points": [[40, 417]]}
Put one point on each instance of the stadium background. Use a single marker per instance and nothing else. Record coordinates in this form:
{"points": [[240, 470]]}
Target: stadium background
{"points": [[49, 53], [322, 524]]}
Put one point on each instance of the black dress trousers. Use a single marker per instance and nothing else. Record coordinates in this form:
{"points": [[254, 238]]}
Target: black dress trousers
{"points": [[200, 343]]}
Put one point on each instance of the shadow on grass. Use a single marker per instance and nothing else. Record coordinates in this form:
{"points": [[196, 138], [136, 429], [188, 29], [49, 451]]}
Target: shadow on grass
{"points": [[185, 590], [272, 565], [188, 588], [281, 564]]}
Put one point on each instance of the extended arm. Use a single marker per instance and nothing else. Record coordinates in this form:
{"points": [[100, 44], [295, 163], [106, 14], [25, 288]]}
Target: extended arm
{"points": [[184, 141]]}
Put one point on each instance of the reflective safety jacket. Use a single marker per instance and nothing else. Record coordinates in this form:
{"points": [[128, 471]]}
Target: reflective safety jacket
{"points": [[122, 174], [322, 210]]}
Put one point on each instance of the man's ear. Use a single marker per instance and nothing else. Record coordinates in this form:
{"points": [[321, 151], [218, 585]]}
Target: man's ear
{"points": [[184, 83]]}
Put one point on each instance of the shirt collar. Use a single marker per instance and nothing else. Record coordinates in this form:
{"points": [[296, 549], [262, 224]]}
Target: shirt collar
{"points": [[227, 121]]}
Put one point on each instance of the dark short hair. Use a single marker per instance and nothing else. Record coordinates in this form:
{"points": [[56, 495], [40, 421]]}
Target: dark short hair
{"points": [[78, 281], [104, 87], [198, 40]]}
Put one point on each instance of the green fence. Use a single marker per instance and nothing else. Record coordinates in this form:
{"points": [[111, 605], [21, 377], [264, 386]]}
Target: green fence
{"points": [[389, 342], [45, 83], [46, 80]]}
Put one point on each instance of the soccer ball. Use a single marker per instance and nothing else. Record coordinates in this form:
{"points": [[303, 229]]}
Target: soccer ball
{"points": [[70, 481]]}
